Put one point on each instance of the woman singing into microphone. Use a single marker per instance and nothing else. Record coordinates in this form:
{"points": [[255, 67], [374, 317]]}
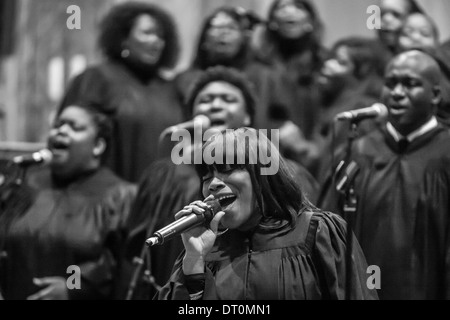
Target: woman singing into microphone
{"points": [[268, 242], [227, 98], [65, 245]]}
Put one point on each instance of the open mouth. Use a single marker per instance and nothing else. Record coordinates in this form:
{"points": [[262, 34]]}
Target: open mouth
{"points": [[397, 109], [226, 200], [222, 41], [58, 146], [294, 20], [154, 53], [217, 122], [290, 23]]}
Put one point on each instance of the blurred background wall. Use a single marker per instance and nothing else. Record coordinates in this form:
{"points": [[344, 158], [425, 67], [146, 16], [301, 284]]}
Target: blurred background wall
{"points": [[39, 54]]}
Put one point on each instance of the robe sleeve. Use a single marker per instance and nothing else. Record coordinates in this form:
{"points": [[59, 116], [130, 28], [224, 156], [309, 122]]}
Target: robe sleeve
{"points": [[98, 276], [431, 235], [330, 256], [176, 288], [96, 279]]}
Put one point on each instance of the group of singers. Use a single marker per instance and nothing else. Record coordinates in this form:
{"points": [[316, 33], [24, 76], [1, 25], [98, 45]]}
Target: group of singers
{"points": [[347, 194]]}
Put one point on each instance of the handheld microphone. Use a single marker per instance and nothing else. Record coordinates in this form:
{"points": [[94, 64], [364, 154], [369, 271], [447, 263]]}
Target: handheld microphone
{"points": [[43, 156], [374, 111], [185, 223]]}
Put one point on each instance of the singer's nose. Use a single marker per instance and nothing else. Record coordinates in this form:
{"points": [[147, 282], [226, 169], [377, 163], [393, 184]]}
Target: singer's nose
{"points": [[216, 184], [398, 92], [289, 9], [63, 128], [216, 104]]}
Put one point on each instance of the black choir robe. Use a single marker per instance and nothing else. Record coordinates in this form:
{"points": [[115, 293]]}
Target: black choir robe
{"points": [[165, 189], [304, 262], [141, 109], [432, 234], [389, 223], [76, 223]]}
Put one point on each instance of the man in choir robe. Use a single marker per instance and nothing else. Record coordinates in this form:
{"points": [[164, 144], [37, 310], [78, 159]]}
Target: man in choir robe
{"points": [[398, 165]]}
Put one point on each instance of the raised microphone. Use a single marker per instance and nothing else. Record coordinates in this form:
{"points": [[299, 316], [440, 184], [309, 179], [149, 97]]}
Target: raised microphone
{"points": [[185, 223], [374, 111], [43, 156]]}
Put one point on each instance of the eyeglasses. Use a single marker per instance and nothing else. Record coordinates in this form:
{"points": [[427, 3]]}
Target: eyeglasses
{"points": [[243, 18]]}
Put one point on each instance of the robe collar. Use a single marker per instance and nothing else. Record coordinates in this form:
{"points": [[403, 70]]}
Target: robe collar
{"points": [[426, 127], [418, 142]]}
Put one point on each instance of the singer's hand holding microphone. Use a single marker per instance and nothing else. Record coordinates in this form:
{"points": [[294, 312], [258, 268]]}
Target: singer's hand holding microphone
{"points": [[198, 224], [200, 239]]}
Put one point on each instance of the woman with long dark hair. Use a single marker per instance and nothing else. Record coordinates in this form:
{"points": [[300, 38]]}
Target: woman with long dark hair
{"points": [[225, 40], [291, 44], [226, 97], [268, 242]]}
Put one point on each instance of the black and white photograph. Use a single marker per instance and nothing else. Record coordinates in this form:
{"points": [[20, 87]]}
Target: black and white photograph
{"points": [[225, 154]]}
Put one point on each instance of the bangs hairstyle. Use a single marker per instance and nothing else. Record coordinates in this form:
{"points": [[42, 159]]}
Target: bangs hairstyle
{"points": [[225, 74], [117, 24], [278, 196]]}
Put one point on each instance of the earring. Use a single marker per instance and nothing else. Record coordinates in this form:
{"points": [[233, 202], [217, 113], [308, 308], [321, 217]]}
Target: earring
{"points": [[125, 53], [100, 148]]}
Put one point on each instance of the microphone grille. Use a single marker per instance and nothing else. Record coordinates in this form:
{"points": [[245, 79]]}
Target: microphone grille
{"points": [[46, 155], [383, 110], [202, 120]]}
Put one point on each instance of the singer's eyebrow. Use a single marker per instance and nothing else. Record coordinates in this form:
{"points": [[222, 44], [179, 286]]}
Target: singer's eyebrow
{"points": [[76, 124], [408, 80], [223, 96]]}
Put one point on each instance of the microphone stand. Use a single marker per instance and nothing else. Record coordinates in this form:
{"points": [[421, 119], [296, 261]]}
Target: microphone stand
{"points": [[143, 259], [17, 181], [345, 186]]}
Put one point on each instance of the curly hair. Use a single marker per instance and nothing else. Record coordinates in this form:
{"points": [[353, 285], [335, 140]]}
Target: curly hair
{"points": [[116, 26], [229, 75]]}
